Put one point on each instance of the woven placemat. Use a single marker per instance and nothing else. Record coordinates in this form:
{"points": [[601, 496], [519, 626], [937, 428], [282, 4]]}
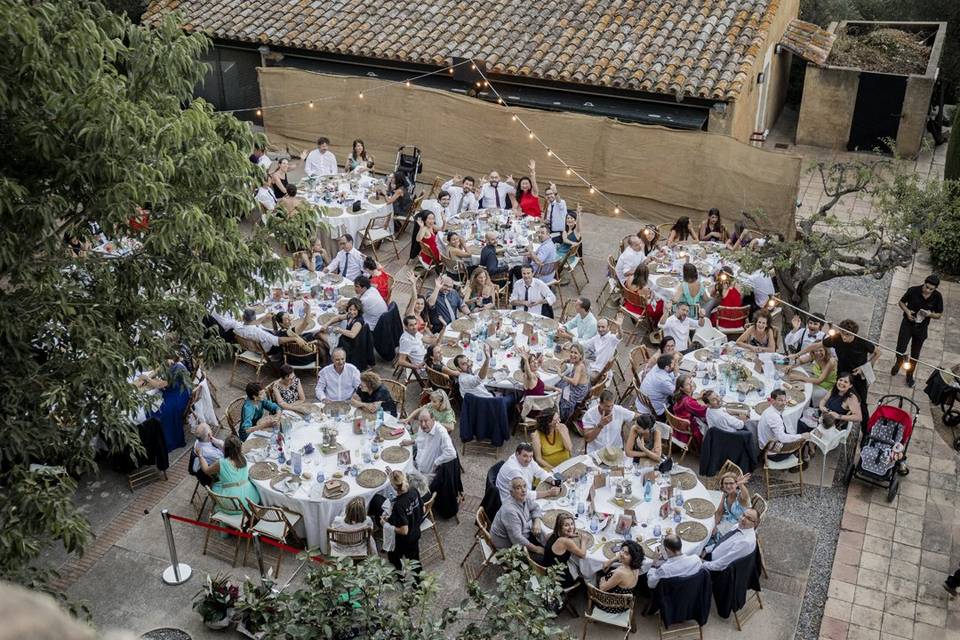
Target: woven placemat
{"points": [[517, 376], [335, 489], [462, 324], [651, 548], [521, 316], [386, 433], [337, 408], [575, 471], [760, 407], [348, 291], [611, 549], [450, 351], [394, 455], [264, 471], [371, 478], [685, 481], [551, 365], [293, 483], [703, 355], [332, 212], [254, 443], [667, 281], [692, 532], [548, 484], [589, 538], [737, 406], [550, 517], [699, 508], [547, 324]]}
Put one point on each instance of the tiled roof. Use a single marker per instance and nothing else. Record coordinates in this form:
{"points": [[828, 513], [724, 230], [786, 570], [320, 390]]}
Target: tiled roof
{"points": [[808, 41], [702, 48]]}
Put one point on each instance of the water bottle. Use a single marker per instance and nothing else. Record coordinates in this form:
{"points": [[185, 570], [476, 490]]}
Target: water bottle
{"points": [[679, 497], [321, 478], [297, 460], [657, 531], [379, 415], [594, 524], [647, 491]]}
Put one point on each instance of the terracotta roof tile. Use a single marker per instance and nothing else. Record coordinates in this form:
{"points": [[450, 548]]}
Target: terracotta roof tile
{"points": [[808, 41], [700, 48]]}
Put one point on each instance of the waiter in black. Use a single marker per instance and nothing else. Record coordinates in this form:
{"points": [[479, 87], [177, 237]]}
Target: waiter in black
{"points": [[919, 304]]}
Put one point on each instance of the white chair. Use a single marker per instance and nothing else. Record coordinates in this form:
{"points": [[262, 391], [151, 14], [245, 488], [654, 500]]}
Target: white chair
{"points": [[666, 435], [709, 337], [791, 461], [537, 403], [377, 230]]}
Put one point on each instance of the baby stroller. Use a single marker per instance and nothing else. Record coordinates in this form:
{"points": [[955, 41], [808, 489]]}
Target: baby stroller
{"points": [[409, 167], [883, 457]]}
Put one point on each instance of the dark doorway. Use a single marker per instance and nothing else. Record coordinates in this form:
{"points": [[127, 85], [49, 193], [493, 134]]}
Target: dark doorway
{"points": [[876, 115]]}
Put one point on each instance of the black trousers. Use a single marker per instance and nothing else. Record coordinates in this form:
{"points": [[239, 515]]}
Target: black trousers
{"points": [[914, 335], [861, 387], [404, 549], [954, 581]]}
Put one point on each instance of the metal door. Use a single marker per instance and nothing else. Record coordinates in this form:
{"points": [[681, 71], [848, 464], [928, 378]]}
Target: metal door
{"points": [[876, 114]]}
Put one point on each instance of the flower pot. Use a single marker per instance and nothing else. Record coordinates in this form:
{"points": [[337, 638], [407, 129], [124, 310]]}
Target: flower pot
{"points": [[222, 623], [242, 628]]}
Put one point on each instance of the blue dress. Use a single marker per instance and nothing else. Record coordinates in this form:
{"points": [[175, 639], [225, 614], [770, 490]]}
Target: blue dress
{"points": [[176, 396], [563, 248]]}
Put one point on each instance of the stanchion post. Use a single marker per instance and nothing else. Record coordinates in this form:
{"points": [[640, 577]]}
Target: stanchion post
{"points": [[177, 572], [258, 551]]}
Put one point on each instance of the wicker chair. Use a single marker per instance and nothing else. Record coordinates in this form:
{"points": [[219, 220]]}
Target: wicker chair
{"points": [[624, 620], [399, 394], [639, 356], [359, 539], [251, 353], [430, 524], [275, 523], [233, 415]]}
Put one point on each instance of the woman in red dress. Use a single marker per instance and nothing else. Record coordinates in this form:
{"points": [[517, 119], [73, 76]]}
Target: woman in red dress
{"points": [[640, 284], [726, 294], [526, 200], [378, 277], [686, 407], [427, 237]]}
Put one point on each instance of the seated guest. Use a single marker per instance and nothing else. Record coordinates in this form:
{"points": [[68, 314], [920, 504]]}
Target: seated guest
{"points": [[843, 403], [417, 306], [283, 327], [601, 348], [349, 261], [719, 418], [631, 258], [725, 294], [771, 430], [372, 301], [439, 409], [712, 229], [658, 386], [522, 465], [371, 393], [440, 208], [644, 443], [667, 346], [411, 349], [564, 542], [434, 446], [543, 256], [803, 334], [359, 161], [673, 563], [338, 381], [288, 392], [231, 472], [313, 260], [621, 573], [260, 158], [740, 237], [481, 293], [686, 407], [378, 277], [530, 364], [680, 232], [823, 375], [649, 237], [488, 255], [639, 284], [574, 382], [278, 177], [206, 446], [531, 293], [353, 518], [456, 249], [735, 544], [557, 218], [445, 304], [258, 412], [494, 193], [734, 501], [519, 521], [759, 336], [356, 339], [462, 197], [551, 441], [289, 203], [270, 343], [582, 326], [691, 291], [471, 383], [603, 423], [426, 239], [526, 200], [265, 197], [679, 325], [762, 286], [321, 161]]}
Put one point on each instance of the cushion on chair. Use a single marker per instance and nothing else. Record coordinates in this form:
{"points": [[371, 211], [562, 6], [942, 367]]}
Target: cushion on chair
{"points": [[250, 356], [426, 525], [788, 463], [234, 521], [273, 530], [621, 619]]}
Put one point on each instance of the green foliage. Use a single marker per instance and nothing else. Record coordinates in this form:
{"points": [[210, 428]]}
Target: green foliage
{"points": [[371, 600], [943, 238], [97, 119], [951, 169]]}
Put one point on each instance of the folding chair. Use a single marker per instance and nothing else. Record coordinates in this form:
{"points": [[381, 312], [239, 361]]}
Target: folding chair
{"points": [[539, 571], [736, 315], [575, 260], [709, 337], [292, 351], [539, 404], [611, 287], [377, 230], [251, 353], [399, 394], [231, 513], [487, 549], [623, 620], [760, 506], [790, 462], [275, 523], [680, 425], [338, 541], [430, 524]]}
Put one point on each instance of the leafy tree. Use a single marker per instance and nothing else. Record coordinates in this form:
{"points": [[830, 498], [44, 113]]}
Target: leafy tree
{"points": [[951, 169], [97, 119], [825, 247]]}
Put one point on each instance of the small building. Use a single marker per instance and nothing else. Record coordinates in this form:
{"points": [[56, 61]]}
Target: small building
{"points": [[687, 64]]}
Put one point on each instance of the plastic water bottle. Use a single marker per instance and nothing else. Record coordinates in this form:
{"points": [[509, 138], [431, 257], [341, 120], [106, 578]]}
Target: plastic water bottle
{"points": [[657, 531], [594, 524], [379, 415], [679, 497], [321, 478], [647, 491]]}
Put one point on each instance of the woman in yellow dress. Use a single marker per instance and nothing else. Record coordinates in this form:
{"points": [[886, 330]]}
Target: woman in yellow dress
{"points": [[551, 441]]}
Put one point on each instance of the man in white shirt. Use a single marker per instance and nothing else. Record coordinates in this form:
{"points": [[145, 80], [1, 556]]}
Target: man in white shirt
{"points": [[270, 343], [720, 418], [522, 465], [556, 214], [530, 292], [471, 383], [265, 196], [603, 423], [771, 427], [674, 564], [582, 326], [411, 351], [434, 446], [803, 335], [601, 348], [349, 261], [658, 385], [337, 382], [737, 543], [260, 158], [497, 194], [462, 197], [373, 304], [631, 258], [762, 286], [321, 161], [543, 257], [679, 325]]}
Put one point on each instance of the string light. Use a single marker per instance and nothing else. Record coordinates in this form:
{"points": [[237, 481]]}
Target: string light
{"points": [[569, 172], [592, 190], [408, 83], [473, 67], [907, 365], [514, 118], [311, 105], [549, 153], [530, 135], [616, 210], [500, 100], [259, 113], [450, 70], [361, 95]]}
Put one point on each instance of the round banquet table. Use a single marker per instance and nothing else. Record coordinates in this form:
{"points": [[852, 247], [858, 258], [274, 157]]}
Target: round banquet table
{"points": [[514, 234], [319, 512], [505, 363], [334, 197], [770, 377], [299, 289], [666, 265], [647, 513]]}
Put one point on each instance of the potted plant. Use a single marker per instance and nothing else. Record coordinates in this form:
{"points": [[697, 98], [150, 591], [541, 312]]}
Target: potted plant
{"points": [[215, 601], [256, 604]]}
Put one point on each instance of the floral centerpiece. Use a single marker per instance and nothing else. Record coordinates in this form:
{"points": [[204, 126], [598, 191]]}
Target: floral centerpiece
{"points": [[738, 372], [215, 601]]}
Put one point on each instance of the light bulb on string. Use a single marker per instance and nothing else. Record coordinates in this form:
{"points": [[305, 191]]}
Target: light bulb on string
{"points": [[259, 113], [616, 210], [569, 172], [514, 118], [832, 332], [473, 67], [592, 190], [771, 303], [549, 153], [408, 83], [499, 100], [530, 135], [907, 365], [311, 105]]}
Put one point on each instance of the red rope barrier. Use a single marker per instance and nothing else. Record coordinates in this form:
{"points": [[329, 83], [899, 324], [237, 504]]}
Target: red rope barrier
{"points": [[244, 535]]}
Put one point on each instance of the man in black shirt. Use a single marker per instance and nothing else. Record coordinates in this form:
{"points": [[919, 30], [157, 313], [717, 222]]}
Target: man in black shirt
{"points": [[406, 516], [919, 304], [853, 352]]}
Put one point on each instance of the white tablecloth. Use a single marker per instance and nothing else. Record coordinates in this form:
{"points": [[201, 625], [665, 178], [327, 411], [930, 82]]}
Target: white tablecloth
{"points": [[648, 514], [666, 266], [319, 512], [512, 240], [306, 280]]}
